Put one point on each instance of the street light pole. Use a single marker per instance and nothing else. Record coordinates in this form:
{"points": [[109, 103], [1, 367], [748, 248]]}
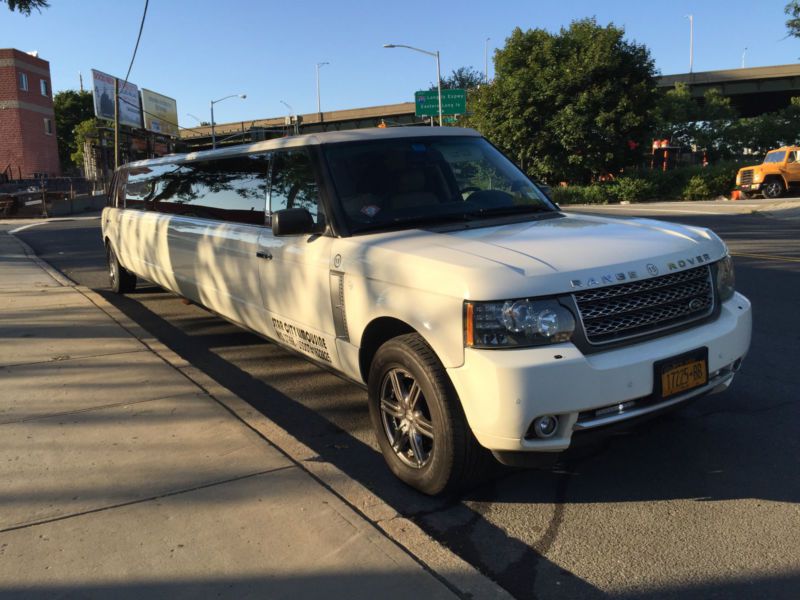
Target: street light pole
{"points": [[438, 72], [486, 61], [743, 56], [291, 112], [691, 41], [213, 102], [319, 64]]}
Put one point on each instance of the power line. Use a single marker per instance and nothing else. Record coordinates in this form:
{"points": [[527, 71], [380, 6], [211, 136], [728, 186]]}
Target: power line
{"points": [[136, 47]]}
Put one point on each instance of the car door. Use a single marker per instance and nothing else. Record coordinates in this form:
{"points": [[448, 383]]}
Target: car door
{"points": [[295, 270]]}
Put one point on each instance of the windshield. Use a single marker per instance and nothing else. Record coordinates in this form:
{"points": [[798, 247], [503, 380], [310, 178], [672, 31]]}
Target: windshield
{"points": [[408, 182], [775, 157]]}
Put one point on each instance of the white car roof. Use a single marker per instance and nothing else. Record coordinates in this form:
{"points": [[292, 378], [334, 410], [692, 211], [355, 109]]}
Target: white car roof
{"points": [[313, 139]]}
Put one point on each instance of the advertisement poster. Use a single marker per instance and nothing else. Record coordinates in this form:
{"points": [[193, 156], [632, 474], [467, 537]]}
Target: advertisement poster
{"points": [[160, 113], [130, 110]]}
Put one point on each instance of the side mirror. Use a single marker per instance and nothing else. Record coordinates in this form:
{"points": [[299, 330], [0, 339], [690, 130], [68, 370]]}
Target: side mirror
{"points": [[292, 221]]}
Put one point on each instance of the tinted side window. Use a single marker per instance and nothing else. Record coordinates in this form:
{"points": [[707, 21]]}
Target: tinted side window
{"points": [[139, 187], [294, 184], [230, 189]]}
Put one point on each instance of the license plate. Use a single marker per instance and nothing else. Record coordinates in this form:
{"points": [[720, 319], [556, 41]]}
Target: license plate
{"points": [[681, 373]]}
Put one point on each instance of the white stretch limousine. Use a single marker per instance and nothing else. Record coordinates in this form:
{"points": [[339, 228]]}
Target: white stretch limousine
{"points": [[422, 263]]}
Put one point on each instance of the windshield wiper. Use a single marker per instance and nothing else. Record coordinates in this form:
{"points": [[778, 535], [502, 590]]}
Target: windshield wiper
{"points": [[416, 221], [516, 209]]}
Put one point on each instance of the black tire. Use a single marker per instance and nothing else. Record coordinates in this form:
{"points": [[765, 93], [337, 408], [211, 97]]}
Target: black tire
{"points": [[772, 188], [120, 279], [437, 453]]}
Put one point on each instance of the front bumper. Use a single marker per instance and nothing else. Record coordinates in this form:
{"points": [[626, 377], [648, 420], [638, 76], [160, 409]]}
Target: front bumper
{"points": [[749, 187], [503, 391]]}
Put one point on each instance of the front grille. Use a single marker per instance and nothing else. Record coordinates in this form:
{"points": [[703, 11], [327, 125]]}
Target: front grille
{"points": [[747, 177], [640, 308]]}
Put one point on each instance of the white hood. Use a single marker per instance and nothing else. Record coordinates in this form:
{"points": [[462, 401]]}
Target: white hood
{"points": [[539, 257]]}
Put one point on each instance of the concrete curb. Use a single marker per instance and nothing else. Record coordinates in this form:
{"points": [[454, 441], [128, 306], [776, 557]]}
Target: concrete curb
{"points": [[457, 574], [60, 278]]}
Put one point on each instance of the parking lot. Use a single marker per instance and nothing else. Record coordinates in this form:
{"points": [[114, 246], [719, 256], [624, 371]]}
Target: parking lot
{"points": [[702, 503]]}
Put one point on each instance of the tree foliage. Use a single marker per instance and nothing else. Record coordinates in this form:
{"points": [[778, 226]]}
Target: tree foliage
{"points": [[571, 105], [83, 130], [71, 108], [792, 10], [463, 78], [703, 123], [25, 7]]}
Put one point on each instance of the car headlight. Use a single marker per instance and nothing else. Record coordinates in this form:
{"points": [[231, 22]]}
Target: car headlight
{"points": [[516, 323], [726, 280], [756, 177]]}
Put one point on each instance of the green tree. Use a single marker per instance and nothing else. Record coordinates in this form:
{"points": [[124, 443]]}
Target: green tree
{"points": [[792, 10], [571, 105], [84, 129], [71, 108], [703, 123], [463, 78], [26, 6]]}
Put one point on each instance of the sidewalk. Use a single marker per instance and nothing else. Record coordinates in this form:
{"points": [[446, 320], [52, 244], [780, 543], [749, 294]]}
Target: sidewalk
{"points": [[123, 478]]}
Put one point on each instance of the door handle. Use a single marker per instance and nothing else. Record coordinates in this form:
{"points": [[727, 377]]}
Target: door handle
{"points": [[264, 255]]}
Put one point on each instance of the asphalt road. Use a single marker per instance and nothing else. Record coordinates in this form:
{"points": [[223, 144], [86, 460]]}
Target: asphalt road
{"points": [[701, 503]]}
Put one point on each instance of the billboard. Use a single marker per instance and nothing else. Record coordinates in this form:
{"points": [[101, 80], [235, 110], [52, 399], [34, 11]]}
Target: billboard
{"points": [[160, 113], [130, 110]]}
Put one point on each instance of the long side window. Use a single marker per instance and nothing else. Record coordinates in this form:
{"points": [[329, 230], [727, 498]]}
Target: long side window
{"points": [[230, 189], [294, 184], [139, 187]]}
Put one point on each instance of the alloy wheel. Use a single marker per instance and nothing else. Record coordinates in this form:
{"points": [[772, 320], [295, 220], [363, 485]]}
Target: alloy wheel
{"points": [[406, 418]]}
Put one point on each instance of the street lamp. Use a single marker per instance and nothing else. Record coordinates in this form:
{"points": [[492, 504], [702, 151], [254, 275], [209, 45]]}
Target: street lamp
{"points": [[744, 54], [319, 64], [691, 41], [291, 112], [438, 72], [195, 118], [486, 61], [213, 102]]}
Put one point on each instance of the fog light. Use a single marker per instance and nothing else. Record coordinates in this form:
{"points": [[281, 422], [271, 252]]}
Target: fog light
{"points": [[545, 427]]}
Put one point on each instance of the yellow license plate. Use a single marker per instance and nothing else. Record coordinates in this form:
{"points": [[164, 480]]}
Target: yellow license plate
{"points": [[683, 377]]}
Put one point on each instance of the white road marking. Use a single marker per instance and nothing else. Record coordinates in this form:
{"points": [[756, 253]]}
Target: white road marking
{"points": [[29, 225]]}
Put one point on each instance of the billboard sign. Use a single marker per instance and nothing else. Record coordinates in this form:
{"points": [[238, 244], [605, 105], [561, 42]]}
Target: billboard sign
{"points": [[454, 102], [130, 109], [160, 113]]}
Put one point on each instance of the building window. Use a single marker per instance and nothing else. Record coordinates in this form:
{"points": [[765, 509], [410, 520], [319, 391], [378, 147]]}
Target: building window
{"points": [[43, 87], [48, 127], [23, 82]]}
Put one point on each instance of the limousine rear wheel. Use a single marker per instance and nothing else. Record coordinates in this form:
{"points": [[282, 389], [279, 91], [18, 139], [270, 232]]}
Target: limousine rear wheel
{"points": [[421, 429], [121, 280]]}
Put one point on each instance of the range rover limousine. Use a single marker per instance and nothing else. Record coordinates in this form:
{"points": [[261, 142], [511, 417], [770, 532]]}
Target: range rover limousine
{"points": [[422, 264]]}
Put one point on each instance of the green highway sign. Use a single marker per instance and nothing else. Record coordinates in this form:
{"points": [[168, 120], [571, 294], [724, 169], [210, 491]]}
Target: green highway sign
{"points": [[454, 102]]}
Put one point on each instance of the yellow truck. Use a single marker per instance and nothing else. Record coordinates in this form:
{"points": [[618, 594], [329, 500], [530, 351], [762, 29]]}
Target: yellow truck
{"points": [[779, 172]]}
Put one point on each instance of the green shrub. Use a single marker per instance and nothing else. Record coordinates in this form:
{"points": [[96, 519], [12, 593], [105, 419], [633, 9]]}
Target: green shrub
{"points": [[696, 189], [633, 189], [598, 193]]}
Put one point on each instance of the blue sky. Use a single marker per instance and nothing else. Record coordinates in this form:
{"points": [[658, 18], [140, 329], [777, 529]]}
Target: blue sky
{"points": [[199, 50]]}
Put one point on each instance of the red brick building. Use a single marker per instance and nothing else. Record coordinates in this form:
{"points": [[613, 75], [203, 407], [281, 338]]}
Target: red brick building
{"points": [[27, 125]]}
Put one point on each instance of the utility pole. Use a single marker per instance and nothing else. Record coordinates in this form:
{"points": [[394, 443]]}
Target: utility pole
{"points": [[80, 77], [116, 123]]}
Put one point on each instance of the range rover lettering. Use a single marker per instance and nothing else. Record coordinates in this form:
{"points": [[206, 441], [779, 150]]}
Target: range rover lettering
{"points": [[422, 264]]}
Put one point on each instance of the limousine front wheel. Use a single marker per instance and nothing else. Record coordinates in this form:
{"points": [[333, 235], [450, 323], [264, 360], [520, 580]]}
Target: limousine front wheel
{"points": [[418, 420], [121, 280]]}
